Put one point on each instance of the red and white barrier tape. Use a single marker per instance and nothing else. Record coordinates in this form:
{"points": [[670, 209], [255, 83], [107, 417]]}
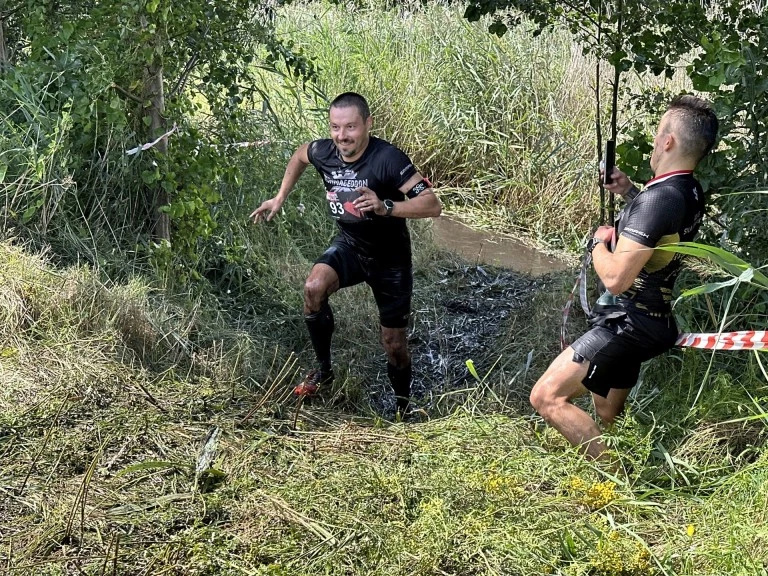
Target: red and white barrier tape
{"points": [[744, 340]]}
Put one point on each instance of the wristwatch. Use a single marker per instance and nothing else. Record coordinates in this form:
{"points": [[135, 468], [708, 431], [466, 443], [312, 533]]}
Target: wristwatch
{"points": [[592, 242], [389, 205]]}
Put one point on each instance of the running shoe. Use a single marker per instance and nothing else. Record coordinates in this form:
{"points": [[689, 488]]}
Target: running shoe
{"points": [[312, 382]]}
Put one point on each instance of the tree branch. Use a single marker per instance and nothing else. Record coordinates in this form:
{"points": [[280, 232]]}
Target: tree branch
{"points": [[125, 93], [184, 76]]}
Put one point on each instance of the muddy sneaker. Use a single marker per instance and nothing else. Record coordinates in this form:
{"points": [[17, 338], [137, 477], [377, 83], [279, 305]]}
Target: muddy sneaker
{"points": [[312, 382]]}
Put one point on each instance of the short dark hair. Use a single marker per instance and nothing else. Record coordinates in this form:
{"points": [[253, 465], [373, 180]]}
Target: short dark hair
{"points": [[352, 99], [696, 124]]}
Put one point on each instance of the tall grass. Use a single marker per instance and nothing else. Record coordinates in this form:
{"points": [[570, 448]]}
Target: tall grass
{"points": [[65, 180], [493, 121]]}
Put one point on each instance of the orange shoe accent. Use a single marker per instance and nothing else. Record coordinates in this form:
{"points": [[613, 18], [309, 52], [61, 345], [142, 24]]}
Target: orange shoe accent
{"points": [[312, 382]]}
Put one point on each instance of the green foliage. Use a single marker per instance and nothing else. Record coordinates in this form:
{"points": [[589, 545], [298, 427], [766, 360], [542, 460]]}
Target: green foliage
{"points": [[87, 76], [730, 263], [728, 70], [619, 32], [731, 70]]}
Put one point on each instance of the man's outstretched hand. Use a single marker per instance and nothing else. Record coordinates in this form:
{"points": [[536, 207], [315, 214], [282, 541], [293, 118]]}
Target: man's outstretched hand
{"points": [[266, 211]]}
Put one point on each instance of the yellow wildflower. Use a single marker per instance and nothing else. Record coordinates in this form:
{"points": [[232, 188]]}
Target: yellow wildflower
{"points": [[599, 494]]}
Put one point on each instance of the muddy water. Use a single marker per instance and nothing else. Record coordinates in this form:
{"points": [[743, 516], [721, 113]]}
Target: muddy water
{"points": [[481, 247]]}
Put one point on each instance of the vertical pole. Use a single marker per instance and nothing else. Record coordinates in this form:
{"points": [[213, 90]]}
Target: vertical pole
{"points": [[598, 122], [615, 104]]}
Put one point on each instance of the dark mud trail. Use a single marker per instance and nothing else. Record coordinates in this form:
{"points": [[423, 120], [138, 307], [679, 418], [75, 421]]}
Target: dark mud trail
{"points": [[460, 317]]}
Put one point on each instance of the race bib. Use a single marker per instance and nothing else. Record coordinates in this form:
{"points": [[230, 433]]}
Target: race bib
{"points": [[341, 204]]}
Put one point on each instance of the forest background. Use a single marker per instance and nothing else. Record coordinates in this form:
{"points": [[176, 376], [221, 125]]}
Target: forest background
{"points": [[149, 335]]}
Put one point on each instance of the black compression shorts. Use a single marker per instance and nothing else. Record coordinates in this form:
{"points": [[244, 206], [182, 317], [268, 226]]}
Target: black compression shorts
{"points": [[392, 287], [617, 344]]}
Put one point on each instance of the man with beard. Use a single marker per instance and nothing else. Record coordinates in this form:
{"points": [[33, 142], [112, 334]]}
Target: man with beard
{"points": [[371, 187], [639, 325]]}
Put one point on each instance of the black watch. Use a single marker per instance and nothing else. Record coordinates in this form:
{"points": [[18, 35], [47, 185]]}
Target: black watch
{"points": [[389, 205], [592, 242]]}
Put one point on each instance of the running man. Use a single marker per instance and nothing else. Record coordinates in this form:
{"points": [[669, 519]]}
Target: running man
{"points": [[606, 360], [372, 187]]}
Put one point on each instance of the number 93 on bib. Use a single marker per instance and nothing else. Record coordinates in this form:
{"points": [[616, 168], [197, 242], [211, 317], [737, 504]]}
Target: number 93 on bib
{"points": [[341, 205]]}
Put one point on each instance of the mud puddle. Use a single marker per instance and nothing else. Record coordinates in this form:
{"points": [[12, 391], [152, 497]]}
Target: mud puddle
{"points": [[487, 248]]}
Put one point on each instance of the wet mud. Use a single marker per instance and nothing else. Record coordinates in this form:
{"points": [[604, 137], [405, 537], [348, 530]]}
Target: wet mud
{"points": [[492, 248], [464, 320]]}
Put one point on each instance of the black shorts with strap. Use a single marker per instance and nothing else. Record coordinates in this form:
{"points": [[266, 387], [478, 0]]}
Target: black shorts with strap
{"points": [[392, 285]]}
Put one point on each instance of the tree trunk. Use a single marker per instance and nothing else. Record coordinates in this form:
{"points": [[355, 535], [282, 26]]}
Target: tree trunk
{"points": [[161, 229], [3, 49], [153, 89]]}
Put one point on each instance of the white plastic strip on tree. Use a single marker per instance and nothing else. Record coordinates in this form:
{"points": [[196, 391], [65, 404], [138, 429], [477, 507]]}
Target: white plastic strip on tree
{"points": [[149, 145]]}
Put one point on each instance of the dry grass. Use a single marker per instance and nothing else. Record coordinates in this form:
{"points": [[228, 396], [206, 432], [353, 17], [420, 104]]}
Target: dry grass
{"points": [[190, 464]]}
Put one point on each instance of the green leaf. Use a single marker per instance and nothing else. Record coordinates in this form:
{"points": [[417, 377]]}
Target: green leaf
{"points": [[152, 6], [176, 210], [730, 263], [168, 185], [731, 57], [471, 367], [498, 27], [472, 13], [66, 30], [28, 213], [148, 176], [718, 78], [708, 288]]}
